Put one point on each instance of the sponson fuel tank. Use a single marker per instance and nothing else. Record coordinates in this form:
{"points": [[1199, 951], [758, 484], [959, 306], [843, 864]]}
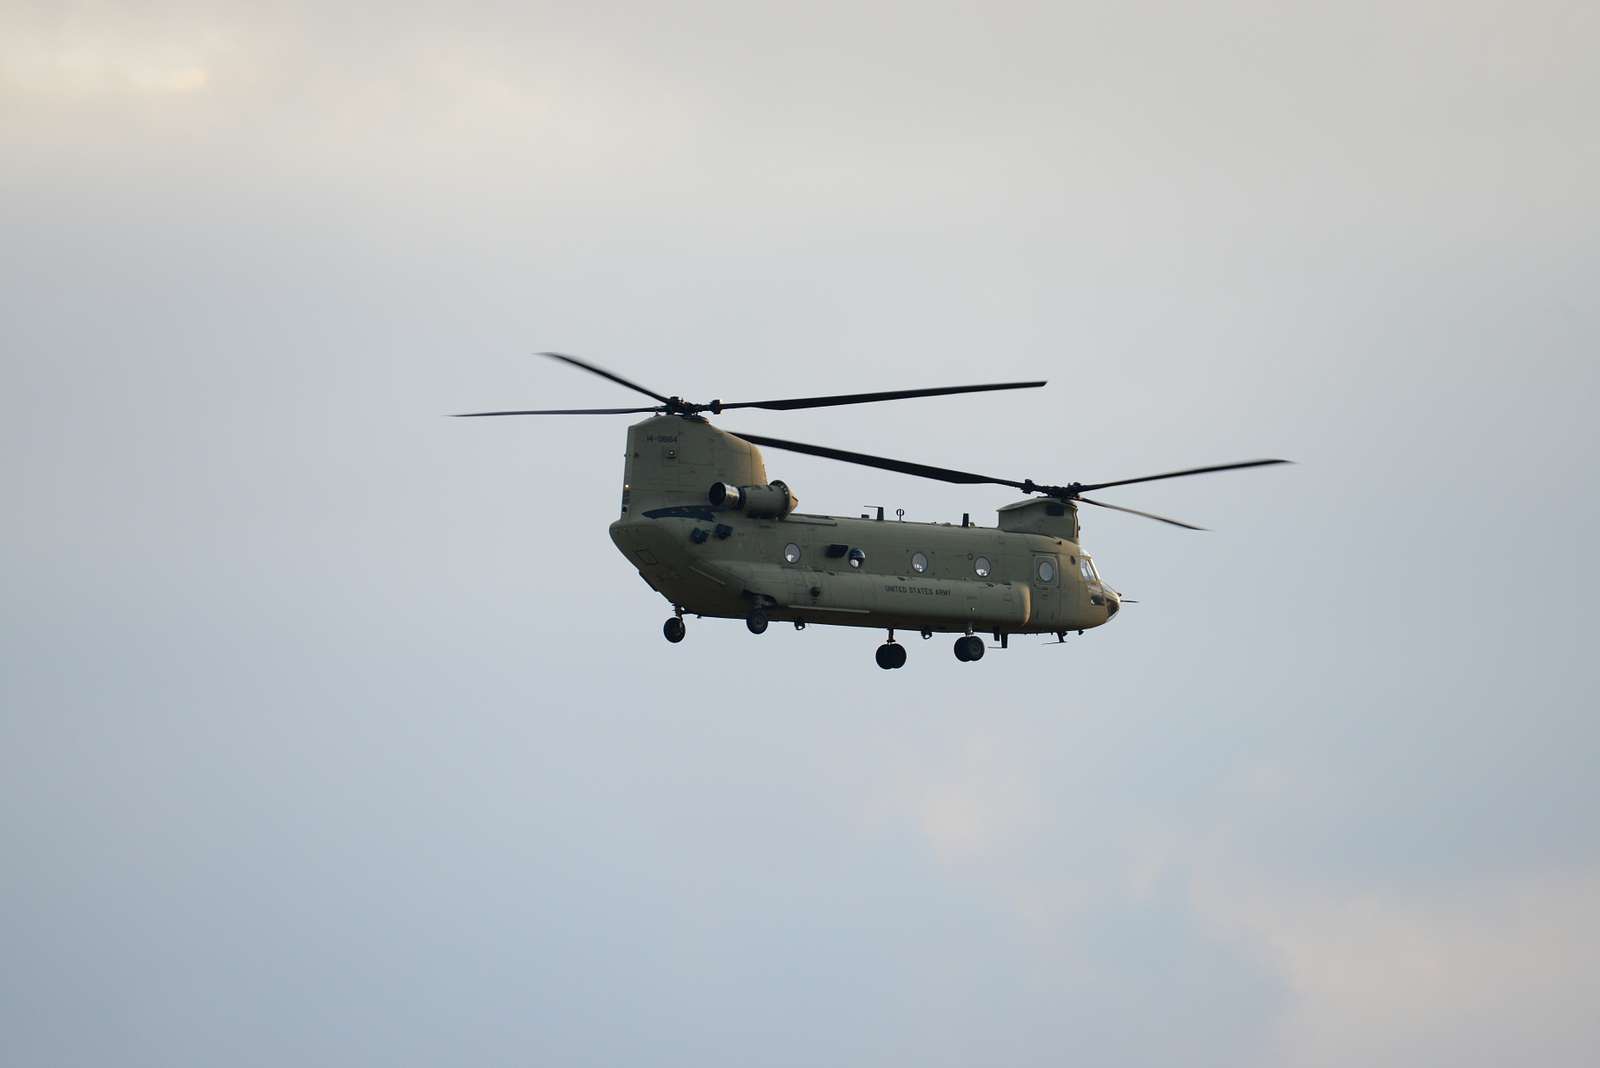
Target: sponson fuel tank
{"points": [[879, 599]]}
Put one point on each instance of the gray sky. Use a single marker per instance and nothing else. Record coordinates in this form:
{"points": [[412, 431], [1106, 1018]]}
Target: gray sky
{"points": [[336, 732]]}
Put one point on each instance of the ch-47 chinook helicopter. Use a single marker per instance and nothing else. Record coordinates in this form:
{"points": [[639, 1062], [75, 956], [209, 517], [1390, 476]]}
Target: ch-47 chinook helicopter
{"points": [[712, 535]]}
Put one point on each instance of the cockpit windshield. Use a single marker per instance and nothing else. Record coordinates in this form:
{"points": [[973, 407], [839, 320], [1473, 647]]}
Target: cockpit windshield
{"points": [[1091, 580]]}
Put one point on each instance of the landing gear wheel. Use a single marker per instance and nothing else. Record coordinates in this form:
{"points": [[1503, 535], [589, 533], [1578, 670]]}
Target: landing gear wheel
{"points": [[757, 622], [969, 648], [674, 630], [891, 656]]}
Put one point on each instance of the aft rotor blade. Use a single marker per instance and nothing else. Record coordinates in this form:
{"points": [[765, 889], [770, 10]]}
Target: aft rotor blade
{"points": [[869, 398], [1178, 474], [905, 467], [603, 373], [563, 411], [1135, 511]]}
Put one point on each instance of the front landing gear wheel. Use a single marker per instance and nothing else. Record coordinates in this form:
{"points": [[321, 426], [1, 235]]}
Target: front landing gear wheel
{"points": [[757, 622], [969, 648], [891, 656], [674, 630]]}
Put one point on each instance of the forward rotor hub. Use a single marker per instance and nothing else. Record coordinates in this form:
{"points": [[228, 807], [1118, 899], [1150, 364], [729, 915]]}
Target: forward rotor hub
{"points": [[1065, 493]]}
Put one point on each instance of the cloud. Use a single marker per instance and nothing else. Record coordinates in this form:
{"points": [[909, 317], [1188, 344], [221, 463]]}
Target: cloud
{"points": [[73, 52], [1472, 974], [85, 72], [1305, 797]]}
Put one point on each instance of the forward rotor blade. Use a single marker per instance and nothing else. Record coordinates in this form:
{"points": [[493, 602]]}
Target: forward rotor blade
{"points": [[1178, 474], [603, 373], [905, 467], [563, 411], [1135, 511], [868, 398]]}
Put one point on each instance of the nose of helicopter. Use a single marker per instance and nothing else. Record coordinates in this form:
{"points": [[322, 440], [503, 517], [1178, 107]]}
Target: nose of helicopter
{"points": [[1113, 604]]}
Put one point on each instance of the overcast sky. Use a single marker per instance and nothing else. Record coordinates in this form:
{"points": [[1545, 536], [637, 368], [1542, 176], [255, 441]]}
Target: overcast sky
{"points": [[333, 731]]}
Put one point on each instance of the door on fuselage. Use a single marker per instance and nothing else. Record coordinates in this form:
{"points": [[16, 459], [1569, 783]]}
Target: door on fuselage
{"points": [[1046, 587]]}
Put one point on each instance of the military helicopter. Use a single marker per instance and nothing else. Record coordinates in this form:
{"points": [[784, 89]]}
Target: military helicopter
{"points": [[708, 531]]}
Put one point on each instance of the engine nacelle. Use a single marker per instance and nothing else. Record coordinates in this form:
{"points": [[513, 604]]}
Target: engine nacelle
{"points": [[762, 502]]}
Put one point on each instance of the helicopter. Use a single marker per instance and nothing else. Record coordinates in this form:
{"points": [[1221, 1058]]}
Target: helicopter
{"points": [[707, 530]]}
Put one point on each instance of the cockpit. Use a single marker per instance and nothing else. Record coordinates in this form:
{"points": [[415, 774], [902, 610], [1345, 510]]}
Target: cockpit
{"points": [[1091, 577], [1099, 593]]}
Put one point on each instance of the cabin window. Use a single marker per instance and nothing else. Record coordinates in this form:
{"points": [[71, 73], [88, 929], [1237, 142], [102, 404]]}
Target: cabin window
{"points": [[1083, 569], [1046, 571], [791, 553], [982, 566], [857, 557], [919, 563]]}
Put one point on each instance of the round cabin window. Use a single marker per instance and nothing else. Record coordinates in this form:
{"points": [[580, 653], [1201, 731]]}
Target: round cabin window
{"points": [[791, 553], [919, 563], [857, 557], [981, 566], [1047, 571]]}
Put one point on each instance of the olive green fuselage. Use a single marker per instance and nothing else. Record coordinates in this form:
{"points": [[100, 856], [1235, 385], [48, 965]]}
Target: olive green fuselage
{"points": [[1026, 575]]}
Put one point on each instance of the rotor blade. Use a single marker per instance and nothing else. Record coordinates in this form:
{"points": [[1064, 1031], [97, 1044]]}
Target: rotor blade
{"points": [[869, 398], [603, 373], [1135, 511], [942, 474], [564, 411], [1179, 474]]}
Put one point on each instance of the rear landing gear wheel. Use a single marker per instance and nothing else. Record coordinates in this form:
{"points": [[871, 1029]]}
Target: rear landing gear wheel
{"points": [[757, 622], [969, 648], [674, 630], [891, 656]]}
